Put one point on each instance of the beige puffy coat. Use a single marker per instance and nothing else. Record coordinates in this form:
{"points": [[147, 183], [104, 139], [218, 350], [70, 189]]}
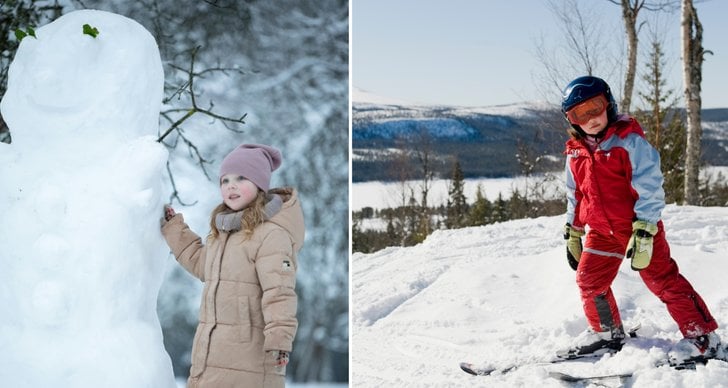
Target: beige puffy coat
{"points": [[248, 302]]}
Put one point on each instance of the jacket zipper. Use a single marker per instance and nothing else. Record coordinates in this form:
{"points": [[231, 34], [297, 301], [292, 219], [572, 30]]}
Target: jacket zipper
{"points": [[598, 186]]}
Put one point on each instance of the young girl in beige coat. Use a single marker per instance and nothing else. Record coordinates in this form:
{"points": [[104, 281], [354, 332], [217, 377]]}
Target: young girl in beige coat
{"points": [[248, 264]]}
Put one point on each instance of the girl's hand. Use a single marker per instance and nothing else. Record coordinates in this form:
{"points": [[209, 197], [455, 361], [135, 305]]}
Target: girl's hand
{"points": [[168, 212], [282, 359]]}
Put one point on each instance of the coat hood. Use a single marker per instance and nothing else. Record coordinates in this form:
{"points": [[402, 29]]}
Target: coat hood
{"points": [[290, 217]]}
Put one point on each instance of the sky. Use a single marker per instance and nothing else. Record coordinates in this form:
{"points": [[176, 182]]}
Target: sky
{"points": [[483, 52]]}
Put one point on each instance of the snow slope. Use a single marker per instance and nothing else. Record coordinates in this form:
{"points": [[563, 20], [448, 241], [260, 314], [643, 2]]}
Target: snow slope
{"points": [[503, 293]]}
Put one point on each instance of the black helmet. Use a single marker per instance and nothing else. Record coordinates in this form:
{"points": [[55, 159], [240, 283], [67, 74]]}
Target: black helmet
{"points": [[584, 88]]}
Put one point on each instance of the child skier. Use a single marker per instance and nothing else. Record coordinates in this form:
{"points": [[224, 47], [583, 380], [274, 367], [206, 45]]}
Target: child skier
{"points": [[248, 312], [614, 185]]}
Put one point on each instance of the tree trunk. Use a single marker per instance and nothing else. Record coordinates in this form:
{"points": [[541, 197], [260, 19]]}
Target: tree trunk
{"points": [[629, 16], [692, 52]]}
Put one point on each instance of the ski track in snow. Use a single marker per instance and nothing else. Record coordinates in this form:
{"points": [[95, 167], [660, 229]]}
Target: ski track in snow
{"points": [[503, 293]]}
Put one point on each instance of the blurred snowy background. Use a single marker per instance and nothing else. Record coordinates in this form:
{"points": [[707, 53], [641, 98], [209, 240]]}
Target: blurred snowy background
{"points": [[283, 67]]}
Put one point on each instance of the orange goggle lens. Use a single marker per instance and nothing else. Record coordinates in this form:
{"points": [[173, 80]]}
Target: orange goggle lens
{"points": [[585, 111]]}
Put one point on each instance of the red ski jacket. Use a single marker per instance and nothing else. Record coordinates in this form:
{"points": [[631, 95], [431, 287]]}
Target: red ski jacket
{"points": [[617, 183]]}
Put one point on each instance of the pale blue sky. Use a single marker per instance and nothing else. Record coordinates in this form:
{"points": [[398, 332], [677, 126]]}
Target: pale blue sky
{"points": [[482, 52]]}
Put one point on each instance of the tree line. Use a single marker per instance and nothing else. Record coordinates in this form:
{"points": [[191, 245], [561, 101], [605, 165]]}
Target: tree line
{"points": [[410, 224]]}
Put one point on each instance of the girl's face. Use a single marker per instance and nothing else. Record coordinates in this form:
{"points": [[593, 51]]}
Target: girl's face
{"points": [[595, 124], [237, 192]]}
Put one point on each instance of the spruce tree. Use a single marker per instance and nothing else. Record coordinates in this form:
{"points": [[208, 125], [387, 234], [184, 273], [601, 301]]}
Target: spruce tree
{"points": [[663, 126], [481, 209], [457, 206], [500, 209]]}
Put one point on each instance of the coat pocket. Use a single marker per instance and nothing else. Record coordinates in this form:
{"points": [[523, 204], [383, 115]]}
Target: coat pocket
{"points": [[244, 326]]}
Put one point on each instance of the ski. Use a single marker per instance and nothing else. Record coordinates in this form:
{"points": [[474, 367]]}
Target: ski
{"points": [[475, 370], [575, 379], [487, 371]]}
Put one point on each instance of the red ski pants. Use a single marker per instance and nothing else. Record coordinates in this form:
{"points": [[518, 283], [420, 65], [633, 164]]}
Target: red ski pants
{"points": [[599, 265]]}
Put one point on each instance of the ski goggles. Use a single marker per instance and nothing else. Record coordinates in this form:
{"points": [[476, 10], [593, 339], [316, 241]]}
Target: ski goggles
{"points": [[584, 111]]}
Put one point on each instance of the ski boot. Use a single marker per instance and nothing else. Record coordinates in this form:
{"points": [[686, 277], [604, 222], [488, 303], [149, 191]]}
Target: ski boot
{"points": [[594, 343]]}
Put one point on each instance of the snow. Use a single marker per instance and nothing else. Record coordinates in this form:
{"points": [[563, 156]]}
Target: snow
{"points": [[504, 293], [438, 128], [82, 255]]}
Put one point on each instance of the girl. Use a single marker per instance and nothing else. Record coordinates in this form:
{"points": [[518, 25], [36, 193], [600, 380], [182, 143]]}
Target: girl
{"points": [[248, 311], [614, 185]]}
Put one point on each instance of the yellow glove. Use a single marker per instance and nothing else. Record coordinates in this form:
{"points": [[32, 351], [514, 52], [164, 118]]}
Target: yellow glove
{"points": [[639, 247], [573, 245]]}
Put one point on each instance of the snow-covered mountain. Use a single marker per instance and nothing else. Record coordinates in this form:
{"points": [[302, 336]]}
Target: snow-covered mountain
{"points": [[484, 139], [503, 294]]}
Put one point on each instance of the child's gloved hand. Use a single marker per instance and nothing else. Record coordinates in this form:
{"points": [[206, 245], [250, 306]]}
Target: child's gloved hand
{"points": [[573, 245], [639, 247], [168, 212]]}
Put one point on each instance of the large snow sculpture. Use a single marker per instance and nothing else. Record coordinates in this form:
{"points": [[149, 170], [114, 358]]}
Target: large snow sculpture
{"points": [[81, 255]]}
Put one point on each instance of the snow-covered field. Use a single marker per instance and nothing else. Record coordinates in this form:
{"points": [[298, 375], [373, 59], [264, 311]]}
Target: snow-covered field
{"points": [[503, 294]]}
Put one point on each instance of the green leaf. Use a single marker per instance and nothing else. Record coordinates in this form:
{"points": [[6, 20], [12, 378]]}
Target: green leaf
{"points": [[20, 34], [88, 30]]}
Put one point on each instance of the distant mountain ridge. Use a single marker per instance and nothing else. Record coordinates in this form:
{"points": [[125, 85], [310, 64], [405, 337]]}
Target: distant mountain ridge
{"points": [[485, 140]]}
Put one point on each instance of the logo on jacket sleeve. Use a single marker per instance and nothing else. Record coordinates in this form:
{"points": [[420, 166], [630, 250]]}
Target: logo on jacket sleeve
{"points": [[287, 266]]}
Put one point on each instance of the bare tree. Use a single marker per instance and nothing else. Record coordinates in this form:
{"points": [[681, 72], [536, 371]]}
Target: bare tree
{"points": [[630, 12], [424, 152], [585, 46], [401, 166], [693, 56]]}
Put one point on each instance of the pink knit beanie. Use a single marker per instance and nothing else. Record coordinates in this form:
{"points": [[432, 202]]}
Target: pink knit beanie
{"points": [[254, 162]]}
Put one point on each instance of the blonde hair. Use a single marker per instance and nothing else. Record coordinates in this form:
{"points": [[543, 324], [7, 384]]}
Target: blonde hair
{"points": [[253, 215], [574, 133]]}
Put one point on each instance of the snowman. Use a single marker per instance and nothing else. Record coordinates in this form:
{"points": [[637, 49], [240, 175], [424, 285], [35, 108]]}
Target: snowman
{"points": [[81, 255]]}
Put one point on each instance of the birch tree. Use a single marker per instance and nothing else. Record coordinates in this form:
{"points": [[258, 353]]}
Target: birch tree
{"points": [[693, 56], [630, 13]]}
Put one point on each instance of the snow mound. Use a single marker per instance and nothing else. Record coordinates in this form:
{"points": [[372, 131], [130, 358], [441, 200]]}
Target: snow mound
{"points": [[503, 294]]}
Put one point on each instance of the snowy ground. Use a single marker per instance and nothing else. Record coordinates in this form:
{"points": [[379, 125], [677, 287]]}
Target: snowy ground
{"points": [[503, 293]]}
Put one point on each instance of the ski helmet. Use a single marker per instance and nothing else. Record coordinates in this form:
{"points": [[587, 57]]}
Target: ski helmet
{"points": [[584, 88]]}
